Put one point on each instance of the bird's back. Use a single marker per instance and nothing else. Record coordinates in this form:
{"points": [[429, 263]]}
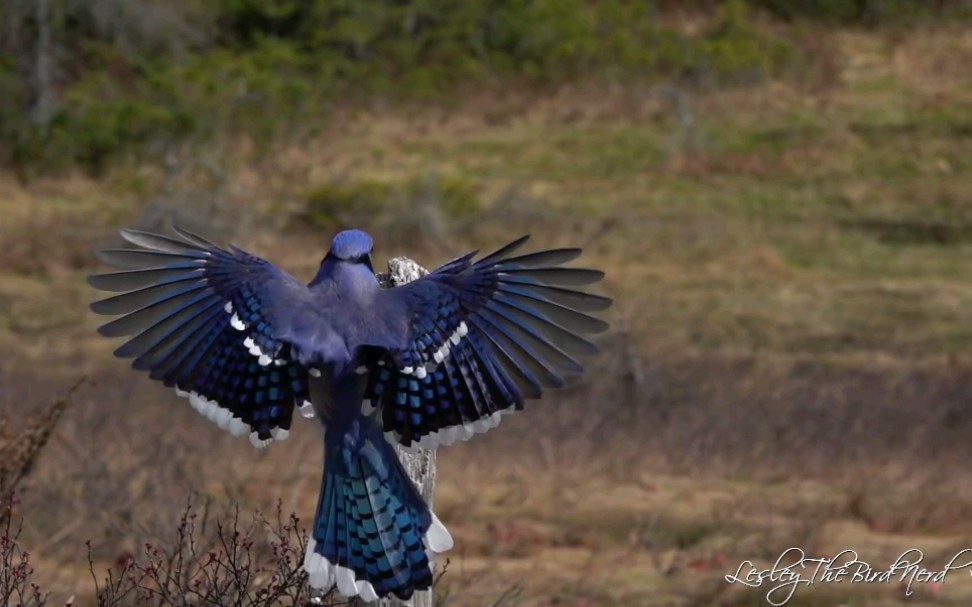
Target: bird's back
{"points": [[346, 295]]}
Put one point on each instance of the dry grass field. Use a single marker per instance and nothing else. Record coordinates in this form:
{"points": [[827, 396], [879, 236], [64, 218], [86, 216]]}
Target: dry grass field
{"points": [[789, 365]]}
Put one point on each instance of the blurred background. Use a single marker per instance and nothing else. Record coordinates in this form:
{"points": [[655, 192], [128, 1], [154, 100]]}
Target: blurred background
{"points": [[778, 190]]}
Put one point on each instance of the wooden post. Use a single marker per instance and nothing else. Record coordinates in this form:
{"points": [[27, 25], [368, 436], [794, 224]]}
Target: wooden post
{"points": [[420, 465]]}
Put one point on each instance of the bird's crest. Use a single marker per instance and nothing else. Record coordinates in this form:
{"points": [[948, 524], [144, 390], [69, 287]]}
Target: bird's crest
{"points": [[351, 245]]}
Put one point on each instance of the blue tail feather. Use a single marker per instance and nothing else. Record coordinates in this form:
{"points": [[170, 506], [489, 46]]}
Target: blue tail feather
{"points": [[369, 534]]}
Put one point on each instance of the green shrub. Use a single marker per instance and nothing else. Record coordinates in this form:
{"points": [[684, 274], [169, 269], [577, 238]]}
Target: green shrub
{"points": [[270, 67], [852, 12], [736, 47], [333, 205], [345, 203]]}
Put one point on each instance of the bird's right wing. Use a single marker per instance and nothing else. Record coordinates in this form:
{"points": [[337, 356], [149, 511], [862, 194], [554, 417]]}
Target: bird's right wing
{"points": [[479, 338], [227, 329]]}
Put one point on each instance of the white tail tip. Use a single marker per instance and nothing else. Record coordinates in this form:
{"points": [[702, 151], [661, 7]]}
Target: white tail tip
{"points": [[437, 538]]}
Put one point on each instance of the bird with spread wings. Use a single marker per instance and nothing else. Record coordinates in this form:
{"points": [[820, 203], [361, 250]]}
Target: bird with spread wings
{"points": [[426, 363]]}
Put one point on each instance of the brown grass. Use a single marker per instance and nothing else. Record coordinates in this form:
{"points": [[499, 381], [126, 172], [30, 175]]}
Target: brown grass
{"points": [[20, 449], [617, 491]]}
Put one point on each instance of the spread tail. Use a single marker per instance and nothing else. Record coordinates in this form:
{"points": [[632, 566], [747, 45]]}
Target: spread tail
{"points": [[373, 534]]}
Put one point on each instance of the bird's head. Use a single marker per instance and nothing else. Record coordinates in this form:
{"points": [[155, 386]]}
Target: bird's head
{"points": [[352, 246]]}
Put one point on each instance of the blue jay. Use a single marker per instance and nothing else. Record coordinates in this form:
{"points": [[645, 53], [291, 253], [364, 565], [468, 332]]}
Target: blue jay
{"points": [[426, 363]]}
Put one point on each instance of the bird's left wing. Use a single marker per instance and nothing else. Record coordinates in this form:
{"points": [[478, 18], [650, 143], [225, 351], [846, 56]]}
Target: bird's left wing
{"points": [[479, 338], [222, 326]]}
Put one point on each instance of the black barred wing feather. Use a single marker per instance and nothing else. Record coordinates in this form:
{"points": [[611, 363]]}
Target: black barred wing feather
{"points": [[482, 337], [202, 319]]}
